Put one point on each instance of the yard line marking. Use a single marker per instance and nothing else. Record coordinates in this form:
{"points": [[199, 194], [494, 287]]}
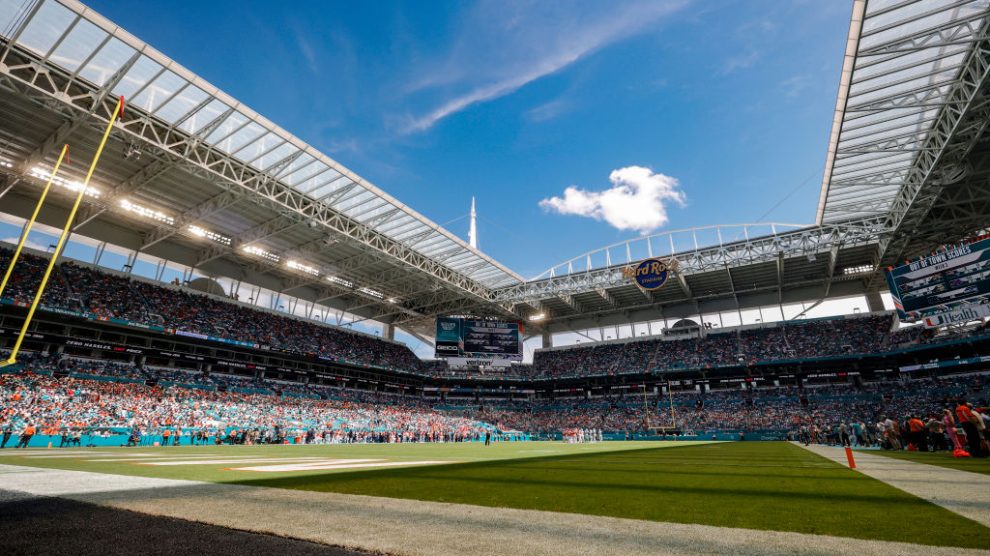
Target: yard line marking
{"points": [[48, 453], [331, 467], [122, 457], [178, 457], [75, 456], [312, 460]]}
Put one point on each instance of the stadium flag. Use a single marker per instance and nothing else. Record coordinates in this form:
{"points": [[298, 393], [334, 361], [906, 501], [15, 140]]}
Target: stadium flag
{"points": [[65, 234], [34, 216]]}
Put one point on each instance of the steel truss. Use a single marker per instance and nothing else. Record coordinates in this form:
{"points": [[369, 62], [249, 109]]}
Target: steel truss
{"points": [[881, 185], [908, 65], [941, 161], [803, 242], [78, 101]]}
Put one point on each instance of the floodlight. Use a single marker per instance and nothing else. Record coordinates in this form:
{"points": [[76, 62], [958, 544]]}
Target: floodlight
{"points": [[340, 281], [259, 252], [372, 293], [42, 173], [146, 212], [858, 269], [199, 231], [296, 265]]}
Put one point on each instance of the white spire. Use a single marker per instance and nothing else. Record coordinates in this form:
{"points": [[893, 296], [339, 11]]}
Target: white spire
{"points": [[473, 231]]}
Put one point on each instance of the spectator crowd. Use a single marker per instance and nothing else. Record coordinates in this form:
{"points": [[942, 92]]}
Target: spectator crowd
{"points": [[106, 295], [793, 340], [63, 405], [109, 295], [880, 414], [69, 397]]}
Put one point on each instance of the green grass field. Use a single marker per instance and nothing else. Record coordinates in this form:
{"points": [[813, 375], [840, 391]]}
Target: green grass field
{"points": [[941, 459], [769, 486]]}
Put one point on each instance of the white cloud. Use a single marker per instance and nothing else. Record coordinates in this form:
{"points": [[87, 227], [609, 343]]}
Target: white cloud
{"points": [[741, 61], [637, 200], [549, 110], [503, 47], [482, 94], [306, 47]]}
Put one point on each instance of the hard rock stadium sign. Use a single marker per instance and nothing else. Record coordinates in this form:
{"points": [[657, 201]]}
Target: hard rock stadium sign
{"points": [[650, 274]]}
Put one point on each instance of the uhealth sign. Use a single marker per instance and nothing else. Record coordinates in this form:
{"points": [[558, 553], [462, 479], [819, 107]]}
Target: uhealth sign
{"points": [[650, 274]]}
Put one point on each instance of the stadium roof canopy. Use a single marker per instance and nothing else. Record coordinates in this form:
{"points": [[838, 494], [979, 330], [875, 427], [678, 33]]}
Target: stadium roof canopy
{"points": [[902, 62], [194, 176], [201, 158]]}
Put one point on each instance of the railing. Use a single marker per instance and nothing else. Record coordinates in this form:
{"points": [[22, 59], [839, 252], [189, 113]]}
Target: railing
{"points": [[666, 244]]}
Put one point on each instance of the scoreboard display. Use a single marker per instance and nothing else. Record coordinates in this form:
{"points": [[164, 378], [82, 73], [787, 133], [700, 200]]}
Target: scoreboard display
{"points": [[942, 282], [460, 337], [493, 337]]}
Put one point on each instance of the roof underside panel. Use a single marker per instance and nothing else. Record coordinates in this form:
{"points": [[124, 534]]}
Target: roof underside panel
{"points": [[907, 56], [71, 36]]}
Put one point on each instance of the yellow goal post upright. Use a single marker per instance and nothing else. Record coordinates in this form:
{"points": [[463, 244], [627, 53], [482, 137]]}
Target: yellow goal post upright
{"points": [[31, 221], [670, 394], [65, 234], [673, 415]]}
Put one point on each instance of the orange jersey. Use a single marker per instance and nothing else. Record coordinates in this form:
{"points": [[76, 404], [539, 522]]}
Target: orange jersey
{"points": [[964, 413]]}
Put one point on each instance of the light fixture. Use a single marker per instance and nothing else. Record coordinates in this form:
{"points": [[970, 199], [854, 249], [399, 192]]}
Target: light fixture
{"points": [[146, 212], [340, 281], [372, 293], [42, 173], [537, 316], [259, 252], [296, 265], [858, 269], [207, 234]]}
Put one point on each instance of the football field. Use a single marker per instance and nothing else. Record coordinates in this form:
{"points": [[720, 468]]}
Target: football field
{"points": [[269, 462], [761, 486]]}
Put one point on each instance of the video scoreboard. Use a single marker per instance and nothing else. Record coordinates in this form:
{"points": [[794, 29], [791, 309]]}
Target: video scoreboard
{"points": [[948, 281], [463, 337]]}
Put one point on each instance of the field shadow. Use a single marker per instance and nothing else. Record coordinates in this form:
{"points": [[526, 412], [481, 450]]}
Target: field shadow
{"points": [[506, 462]]}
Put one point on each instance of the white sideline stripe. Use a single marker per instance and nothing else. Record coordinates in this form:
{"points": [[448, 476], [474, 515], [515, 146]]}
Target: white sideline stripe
{"points": [[48, 453], [331, 466], [963, 492], [315, 461], [74, 456], [193, 459]]}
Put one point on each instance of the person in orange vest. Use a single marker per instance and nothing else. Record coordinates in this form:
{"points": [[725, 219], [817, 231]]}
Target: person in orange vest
{"points": [[26, 435], [968, 420], [167, 434], [916, 435]]}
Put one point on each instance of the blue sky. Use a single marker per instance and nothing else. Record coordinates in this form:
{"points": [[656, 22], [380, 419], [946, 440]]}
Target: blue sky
{"points": [[716, 110]]}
